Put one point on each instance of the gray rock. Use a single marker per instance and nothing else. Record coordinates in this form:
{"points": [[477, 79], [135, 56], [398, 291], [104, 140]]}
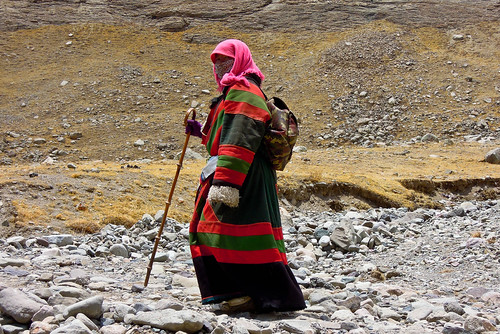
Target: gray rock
{"points": [[18, 305], [91, 307], [468, 206], [493, 156], [147, 218], [299, 149], [453, 307], [477, 292], [139, 143], [420, 313], [438, 315], [17, 241], [52, 252], [87, 322], [158, 218], [453, 328], [113, 329], [324, 241], [102, 251], [190, 155], [40, 327], [74, 327], [429, 137], [342, 236], [121, 310], [491, 298], [478, 325], [75, 135], [343, 315], [69, 291], [317, 296], [185, 320], [60, 239], [298, 326], [44, 312], [13, 262], [386, 313], [42, 242], [13, 329], [119, 250], [352, 303]]}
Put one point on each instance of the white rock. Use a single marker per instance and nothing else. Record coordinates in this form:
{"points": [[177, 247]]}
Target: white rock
{"points": [[139, 143], [343, 315]]}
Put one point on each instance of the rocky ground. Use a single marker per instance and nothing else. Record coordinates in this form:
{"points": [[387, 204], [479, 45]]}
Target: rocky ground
{"points": [[374, 271]]}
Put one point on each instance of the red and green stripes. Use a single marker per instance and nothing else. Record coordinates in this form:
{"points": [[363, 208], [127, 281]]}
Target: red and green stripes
{"points": [[213, 137], [240, 244], [249, 102], [233, 164], [236, 133], [237, 128]]}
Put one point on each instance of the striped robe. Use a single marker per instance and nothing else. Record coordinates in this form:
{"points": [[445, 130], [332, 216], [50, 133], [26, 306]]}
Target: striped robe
{"points": [[240, 251]]}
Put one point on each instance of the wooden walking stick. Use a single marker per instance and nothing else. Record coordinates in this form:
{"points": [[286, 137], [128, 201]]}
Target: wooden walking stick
{"points": [[169, 200]]}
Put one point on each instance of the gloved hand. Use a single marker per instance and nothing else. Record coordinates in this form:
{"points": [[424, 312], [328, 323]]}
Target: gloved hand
{"points": [[193, 127], [224, 194]]}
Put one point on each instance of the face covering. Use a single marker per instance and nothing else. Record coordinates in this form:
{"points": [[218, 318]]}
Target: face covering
{"points": [[223, 67]]}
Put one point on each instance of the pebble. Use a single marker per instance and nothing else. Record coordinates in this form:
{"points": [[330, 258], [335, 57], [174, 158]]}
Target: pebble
{"points": [[427, 271], [493, 156]]}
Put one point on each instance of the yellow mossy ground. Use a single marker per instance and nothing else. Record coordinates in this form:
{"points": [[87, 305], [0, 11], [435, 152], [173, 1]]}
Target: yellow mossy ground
{"points": [[98, 193], [112, 110]]}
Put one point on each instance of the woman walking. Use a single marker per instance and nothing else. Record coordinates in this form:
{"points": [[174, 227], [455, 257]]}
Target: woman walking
{"points": [[236, 237]]}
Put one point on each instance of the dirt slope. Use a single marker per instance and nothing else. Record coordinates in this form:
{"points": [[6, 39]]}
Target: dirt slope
{"points": [[103, 88]]}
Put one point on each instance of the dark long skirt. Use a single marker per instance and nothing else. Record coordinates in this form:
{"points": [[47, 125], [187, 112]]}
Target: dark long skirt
{"points": [[240, 251]]}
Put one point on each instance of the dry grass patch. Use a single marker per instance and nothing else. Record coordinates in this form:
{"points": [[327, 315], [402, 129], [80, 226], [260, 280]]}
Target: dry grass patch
{"points": [[84, 226], [29, 213]]}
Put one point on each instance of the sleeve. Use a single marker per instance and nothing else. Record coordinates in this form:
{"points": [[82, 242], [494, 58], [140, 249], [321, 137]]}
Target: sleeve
{"points": [[243, 127]]}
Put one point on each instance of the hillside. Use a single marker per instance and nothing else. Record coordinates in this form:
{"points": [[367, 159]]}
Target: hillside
{"points": [[102, 89]]}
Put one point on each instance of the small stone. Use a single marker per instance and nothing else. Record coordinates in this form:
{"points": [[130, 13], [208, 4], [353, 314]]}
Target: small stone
{"points": [[113, 329], [453, 307], [137, 288], [493, 156], [171, 320], [75, 135], [478, 325], [119, 250], [324, 241], [139, 143], [453, 328], [91, 307], [392, 100], [59, 240], [429, 137]]}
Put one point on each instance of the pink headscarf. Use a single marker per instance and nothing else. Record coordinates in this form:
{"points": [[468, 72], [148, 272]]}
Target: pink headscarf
{"points": [[243, 63]]}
